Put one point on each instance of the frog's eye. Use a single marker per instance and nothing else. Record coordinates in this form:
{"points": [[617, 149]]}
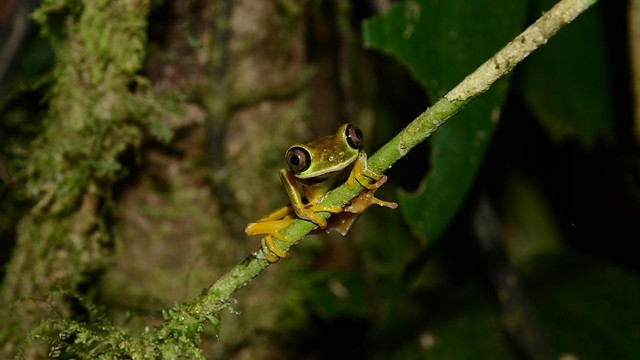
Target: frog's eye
{"points": [[298, 159], [354, 136]]}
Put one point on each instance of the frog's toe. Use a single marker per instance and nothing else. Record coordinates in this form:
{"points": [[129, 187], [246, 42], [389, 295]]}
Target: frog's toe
{"points": [[269, 255], [389, 204], [367, 198], [322, 223], [271, 252], [379, 182], [310, 210]]}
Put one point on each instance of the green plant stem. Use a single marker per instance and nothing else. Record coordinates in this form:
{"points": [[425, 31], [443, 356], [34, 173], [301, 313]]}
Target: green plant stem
{"points": [[214, 299]]}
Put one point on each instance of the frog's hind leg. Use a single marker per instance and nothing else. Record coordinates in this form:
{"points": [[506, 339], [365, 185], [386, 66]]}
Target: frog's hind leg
{"points": [[270, 228], [276, 214], [270, 225], [343, 221], [340, 223]]}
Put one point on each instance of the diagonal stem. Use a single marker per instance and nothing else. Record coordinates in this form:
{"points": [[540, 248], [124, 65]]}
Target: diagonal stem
{"points": [[214, 299]]}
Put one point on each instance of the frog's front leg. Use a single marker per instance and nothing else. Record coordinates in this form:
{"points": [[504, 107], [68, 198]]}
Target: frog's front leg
{"points": [[365, 199], [305, 211], [362, 174]]}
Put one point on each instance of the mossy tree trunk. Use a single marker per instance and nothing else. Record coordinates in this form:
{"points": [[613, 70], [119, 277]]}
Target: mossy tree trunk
{"points": [[94, 115], [238, 90]]}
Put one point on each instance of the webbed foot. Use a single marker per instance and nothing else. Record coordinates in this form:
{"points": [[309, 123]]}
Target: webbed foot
{"points": [[362, 174], [366, 198], [269, 249], [271, 225]]}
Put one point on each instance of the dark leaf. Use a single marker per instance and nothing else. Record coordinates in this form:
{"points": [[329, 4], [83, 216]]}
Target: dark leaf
{"points": [[440, 42]]}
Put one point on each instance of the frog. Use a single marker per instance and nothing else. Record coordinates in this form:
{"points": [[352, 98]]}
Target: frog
{"points": [[315, 168]]}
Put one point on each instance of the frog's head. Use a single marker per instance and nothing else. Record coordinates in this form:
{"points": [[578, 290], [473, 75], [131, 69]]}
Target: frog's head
{"points": [[327, 155]]}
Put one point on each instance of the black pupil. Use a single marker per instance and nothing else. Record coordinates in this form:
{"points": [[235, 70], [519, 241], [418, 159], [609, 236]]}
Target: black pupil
{"points": [[354, 136], [358, 133], [298, 159]]}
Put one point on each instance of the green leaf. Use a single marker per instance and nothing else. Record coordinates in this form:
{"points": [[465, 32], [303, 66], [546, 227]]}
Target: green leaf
{"points": [[440, 42], [566, 85]]}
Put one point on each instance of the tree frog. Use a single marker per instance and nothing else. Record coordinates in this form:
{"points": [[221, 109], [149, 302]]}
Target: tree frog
{"points": [[314, 169]]}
